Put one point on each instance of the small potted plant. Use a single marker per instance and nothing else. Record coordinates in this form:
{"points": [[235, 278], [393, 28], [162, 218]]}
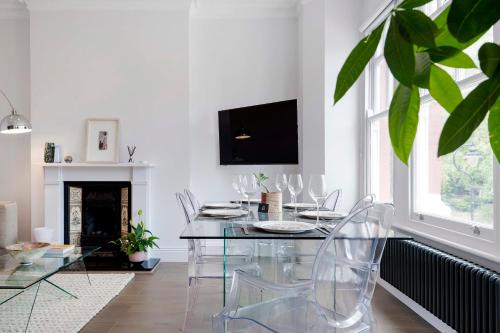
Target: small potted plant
{"points": [[273, 199], [136, 243]]}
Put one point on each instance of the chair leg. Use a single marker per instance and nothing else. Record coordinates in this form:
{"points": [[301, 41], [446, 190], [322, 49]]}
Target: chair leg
{"points": [[191, 299]]}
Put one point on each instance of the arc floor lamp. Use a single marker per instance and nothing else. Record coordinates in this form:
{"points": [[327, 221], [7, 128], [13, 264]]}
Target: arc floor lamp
{"points": [[14, 123]]}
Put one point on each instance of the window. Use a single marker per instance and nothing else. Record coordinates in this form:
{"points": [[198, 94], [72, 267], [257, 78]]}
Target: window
{"points": [[454, 199], [379, 166]]}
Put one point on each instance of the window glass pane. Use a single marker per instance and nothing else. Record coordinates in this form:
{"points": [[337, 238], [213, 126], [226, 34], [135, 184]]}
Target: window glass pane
{"points": [[458, 186], [383, 86], [380, 167]]}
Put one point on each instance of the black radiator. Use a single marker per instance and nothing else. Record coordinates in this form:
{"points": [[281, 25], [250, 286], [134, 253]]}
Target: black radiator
{"points": [[464, 295]]}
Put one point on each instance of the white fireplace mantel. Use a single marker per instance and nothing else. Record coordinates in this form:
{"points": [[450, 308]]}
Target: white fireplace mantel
{"points": [[55, 174]]}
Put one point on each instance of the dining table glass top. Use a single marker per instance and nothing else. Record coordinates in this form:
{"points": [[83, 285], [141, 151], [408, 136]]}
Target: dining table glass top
{"points": [[208, 227], [14, 275]]}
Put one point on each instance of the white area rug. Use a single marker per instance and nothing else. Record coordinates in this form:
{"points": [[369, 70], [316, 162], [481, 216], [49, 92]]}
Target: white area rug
{"points": [[56, 311]]}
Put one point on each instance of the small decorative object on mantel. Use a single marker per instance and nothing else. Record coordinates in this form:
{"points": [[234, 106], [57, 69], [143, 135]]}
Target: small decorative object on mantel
{"points": [[57, 154], [272, 199], [68, 159], [131, 151], [136, 242], [102, 140], [48, 153]]}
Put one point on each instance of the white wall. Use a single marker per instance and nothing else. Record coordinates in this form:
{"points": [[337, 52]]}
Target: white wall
{"points": [[329, 30], [234, 63], [131, 65], [15, 81]]}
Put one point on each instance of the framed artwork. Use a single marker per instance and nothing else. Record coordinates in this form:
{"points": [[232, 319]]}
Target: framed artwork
{"points": [[103, 140]]}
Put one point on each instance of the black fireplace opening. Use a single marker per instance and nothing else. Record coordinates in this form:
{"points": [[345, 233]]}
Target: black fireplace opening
{"points": [[96, 213]]}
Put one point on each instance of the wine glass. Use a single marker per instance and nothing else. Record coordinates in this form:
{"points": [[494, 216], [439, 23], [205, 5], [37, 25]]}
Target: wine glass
{"points": [[248, 187], [295, 186], [235, 183], [317, 191], [281, 182]]}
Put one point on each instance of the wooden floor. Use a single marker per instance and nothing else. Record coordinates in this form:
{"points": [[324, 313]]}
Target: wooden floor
{"points": [[156, 302]]}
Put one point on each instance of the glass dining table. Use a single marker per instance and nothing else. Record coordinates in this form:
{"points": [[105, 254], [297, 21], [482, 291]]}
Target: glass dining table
{"points": [[241, 229]]}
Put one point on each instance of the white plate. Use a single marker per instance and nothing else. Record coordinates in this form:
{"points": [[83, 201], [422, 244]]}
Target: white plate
{"points": [[224, 212], [299, 205], [221, 205], [284, 227], [323, 214]]}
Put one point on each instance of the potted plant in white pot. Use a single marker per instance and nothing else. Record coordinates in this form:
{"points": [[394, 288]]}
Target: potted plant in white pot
{"points": [[273, 199], [136, 243]]}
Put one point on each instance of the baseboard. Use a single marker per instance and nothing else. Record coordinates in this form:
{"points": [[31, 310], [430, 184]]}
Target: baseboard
{"points": [[170, 254], [417, 308]]}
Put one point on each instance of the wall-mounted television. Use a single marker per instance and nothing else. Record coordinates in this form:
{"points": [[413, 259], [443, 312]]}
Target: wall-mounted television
{"points": [[260, 134]]}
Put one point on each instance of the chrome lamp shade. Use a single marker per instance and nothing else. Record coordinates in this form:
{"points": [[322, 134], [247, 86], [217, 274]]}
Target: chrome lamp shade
{"points": [[14, 124]]}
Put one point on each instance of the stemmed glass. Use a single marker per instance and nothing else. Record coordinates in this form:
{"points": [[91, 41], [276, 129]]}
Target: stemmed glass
{"points": [[281, 182], [295, 186], [317, 191], [235, 183], [248, 187]]}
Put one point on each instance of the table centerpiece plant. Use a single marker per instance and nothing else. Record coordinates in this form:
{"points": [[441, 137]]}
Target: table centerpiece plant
{"points": [[136, 243], [273, 199]]}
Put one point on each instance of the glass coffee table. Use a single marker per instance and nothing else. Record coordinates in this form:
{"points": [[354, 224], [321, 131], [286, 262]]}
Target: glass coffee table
{"points": [[20, 284]]}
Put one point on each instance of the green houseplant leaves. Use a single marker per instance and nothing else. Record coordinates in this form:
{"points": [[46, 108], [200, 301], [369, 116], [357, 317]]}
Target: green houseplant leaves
{"points": [[469, 18], [416, 48], [356, 62], [399, 54], [403, 120], [468, 115]]}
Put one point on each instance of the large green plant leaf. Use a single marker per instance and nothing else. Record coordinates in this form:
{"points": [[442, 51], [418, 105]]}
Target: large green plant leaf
{"points": [[410, 4], [419, 28], [494, 128], [399, 54], [422, 70], [356, 62], [403, 120], [489, 58], [444, 37], [469, 18], [468, 115], [451, 57], [444, 89]]}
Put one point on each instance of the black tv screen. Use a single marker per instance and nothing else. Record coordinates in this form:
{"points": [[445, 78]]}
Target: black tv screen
{"points": [[260, 134]]}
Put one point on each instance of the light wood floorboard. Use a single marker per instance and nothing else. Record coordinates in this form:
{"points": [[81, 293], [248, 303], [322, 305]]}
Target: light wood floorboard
{"points": [[156, 302]]}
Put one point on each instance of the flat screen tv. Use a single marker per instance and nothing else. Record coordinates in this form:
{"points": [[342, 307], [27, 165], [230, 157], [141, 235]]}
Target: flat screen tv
{"points": [[260, 134]]}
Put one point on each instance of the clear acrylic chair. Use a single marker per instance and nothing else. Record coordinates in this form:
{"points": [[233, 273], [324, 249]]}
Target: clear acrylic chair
{"points": [[192, 200], [336, 299], [203, 266], [362, 203], [332, 201]]}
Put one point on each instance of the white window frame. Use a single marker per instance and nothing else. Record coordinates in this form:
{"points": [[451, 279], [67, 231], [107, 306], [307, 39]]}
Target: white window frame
{"points": [[449, 232]]}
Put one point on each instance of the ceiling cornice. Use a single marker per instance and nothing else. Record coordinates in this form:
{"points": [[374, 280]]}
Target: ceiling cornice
{"points": [[103, 5], [12, 9], [236, 9]]}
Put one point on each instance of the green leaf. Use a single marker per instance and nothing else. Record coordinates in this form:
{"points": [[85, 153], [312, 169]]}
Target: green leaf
{"points": [[489, 58], [468, 115], [444, 37], [356, 62], [399, 54], [451, 57], [403, 120], [420, 29], [422, 70], [444, 89], [494, 128], [410, 4], [469, 18]]}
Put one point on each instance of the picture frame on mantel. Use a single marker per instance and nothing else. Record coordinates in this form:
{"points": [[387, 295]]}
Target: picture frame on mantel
{"points": [[103, 136]]}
